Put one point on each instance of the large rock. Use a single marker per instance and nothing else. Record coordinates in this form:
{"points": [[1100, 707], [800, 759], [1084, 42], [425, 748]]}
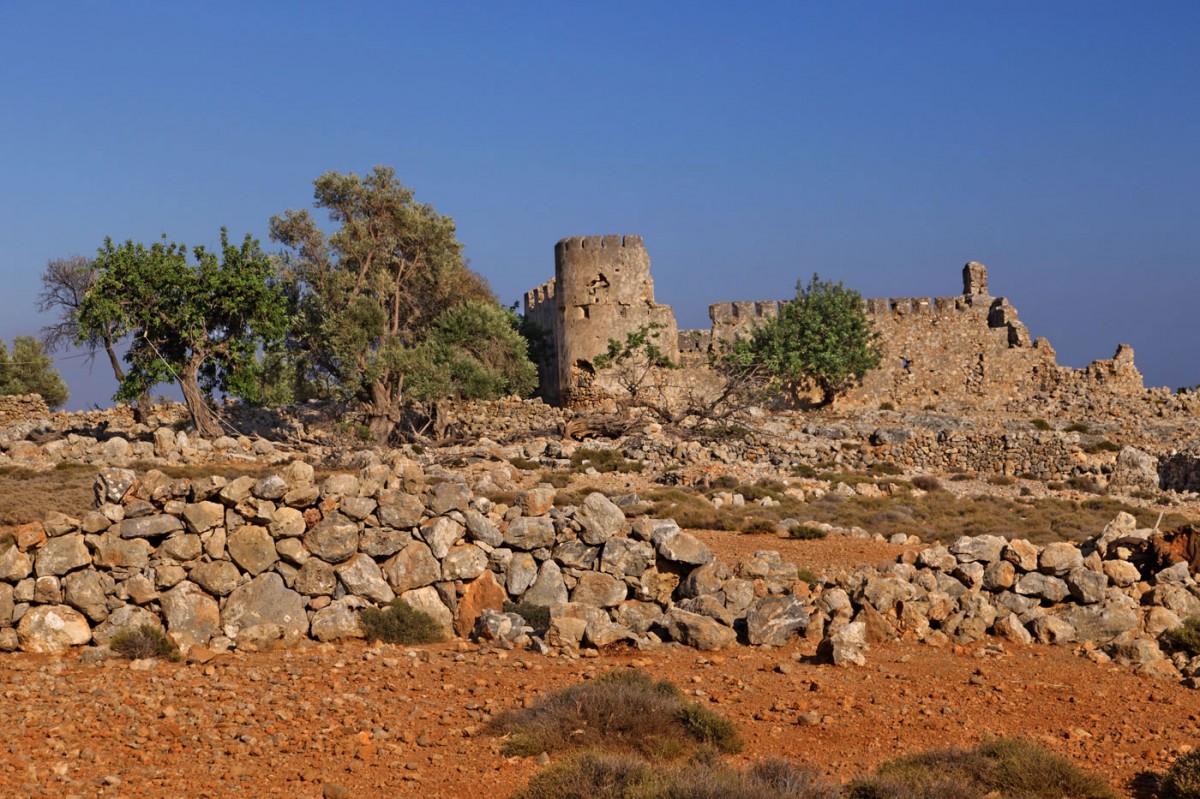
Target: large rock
{"points": [[464, 562], [697, 631], [576, 555], [52, 628], [983, 549], [265, 600], [217, 577], [123, 621], [1048, 589], [441, 534], [192, 616], [536, 501], [252, 548], [399, 510], [361, 576], [149, 526], [775, 620], [427, 600], [1099, 623], [1122, 525], [522, 572], [638, 616], [1010, 627], [481, 595], [447, 496], [624, 557], [112, 485], [1059, 558], [61, 555], [338, 621], [113, 552], [333, 539], [493, 625], [412, 567], [847, 646], [287, 523], [481, 529], [87, 591], [1086, 587], [383, 542], [600, 519], [201, 517], [14, 565], [548, 590], [529, 532], [315, 578], [1135, 469], [679, 547], [599, 589]]}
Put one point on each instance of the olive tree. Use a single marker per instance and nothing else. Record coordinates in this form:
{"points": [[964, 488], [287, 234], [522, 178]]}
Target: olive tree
{"points": [[194, 321], [31, 371]]}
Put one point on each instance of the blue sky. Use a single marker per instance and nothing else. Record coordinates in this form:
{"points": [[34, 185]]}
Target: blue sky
{"points": [[880, 143]]}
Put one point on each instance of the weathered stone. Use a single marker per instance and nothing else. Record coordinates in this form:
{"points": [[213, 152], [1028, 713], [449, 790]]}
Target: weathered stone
{"points": [[522, 572], [361, 576], [680, 547], [117, 553], [149, 526], [7, 605], [481, 529], [638, 616], [1048, 589], [427, 600], [203, 516], [1122, 525], [123, 621], [464, 562], [339, 621], [600, 519], [61, 555], [47, 590], [399, 510], [970, 574], [292, 551], [192, 616], [14, 565], [1011, 628], [599, 589], [566, 633], [1086, 587], [412, 567], [1059, 558], [333, 539], [600, 633], [999, 576], [252, 548], [1052, 630], [1099, 623], [710, 606], [357, 508], [30, 536], [315, 578], [979, 548], [112, 484], [86, 591], [494, 625], [237, 490], [695, 630], [1174, 598], [548, 589], [775, 620], [271, 487], [576, 555], [447, 496], [1021, 554], [624, 557], [217, 577], [529, 532], [702, 581], [536, 501], [181, 547], [52, 628], [481, 595], [441, 534], [286, 523], [383, 542], [847, 646], [265, 600], [1135, 469]]}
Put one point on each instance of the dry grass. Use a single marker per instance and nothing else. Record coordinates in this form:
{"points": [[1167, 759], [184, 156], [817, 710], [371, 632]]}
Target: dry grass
{"points": [[399, 623], [599, 775], [624, 710], [145, 642], [27, 496], [997, 769]]}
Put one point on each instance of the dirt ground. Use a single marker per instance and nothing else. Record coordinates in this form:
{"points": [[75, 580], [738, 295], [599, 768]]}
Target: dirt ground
{"points": [[385, 721]]}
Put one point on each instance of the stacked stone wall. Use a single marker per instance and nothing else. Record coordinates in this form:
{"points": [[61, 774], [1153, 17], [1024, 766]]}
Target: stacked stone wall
{"points": [[21, 407]]}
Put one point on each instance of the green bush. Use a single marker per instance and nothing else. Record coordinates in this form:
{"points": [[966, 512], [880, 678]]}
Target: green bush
{"points": [[1104, 445], [802, 532], [1186, 637], [603, 461], [146, 641], [886, 406], [399, 623], [536, 616], [1182, 780], [1077, 427], [927, 482], [622, 710], [1002, 768], [1040, 424]]}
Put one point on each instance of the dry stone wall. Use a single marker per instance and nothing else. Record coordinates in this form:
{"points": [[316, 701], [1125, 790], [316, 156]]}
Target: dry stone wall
{"points": [[21, 407]]}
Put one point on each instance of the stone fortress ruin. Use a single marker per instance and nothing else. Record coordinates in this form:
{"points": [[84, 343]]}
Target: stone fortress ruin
{"points": [[967, 351]]}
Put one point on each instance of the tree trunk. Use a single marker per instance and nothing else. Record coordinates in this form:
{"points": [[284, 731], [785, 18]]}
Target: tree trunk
{"points": [[203, 417], [383, 412], [141, 408]]}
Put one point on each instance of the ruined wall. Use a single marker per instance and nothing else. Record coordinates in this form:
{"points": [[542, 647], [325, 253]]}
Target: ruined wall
{"points": [[20, 407]]}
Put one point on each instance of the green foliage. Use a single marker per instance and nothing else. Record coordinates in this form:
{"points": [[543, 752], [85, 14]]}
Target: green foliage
{"points": [[603, 461], [823, 338], [30, 371], [803, 532], [196, 323], [369, 293], [145, 642], [1040, 424], [1182, 780], [1077, 427], [1186, 637], [1002, 768], [623, 710], [886, 406], [640, 347], [536, 616], [399, 623], [1103, 445], [472, 351]]}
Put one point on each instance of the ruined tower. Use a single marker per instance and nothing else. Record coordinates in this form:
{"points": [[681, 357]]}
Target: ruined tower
{"points": [[601, 290], [975, 279]]}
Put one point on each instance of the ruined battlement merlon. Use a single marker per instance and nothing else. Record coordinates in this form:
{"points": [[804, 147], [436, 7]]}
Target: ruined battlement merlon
{"points": [[975, 280], [572, 243], [539, 296]]}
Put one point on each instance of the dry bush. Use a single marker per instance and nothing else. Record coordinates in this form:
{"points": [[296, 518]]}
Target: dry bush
{"points": [[624, 710], [927, 482], [1001, 480], [600, 775], [1182, 780], [802, 532], [146, 641], [1001, 768], [556, 479], [1186, 637], [399, 623], [536, 616], [603, 461]]}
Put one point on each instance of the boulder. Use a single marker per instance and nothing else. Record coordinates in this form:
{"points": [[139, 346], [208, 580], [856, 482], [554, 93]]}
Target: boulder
{"points": [[399, 510], [529, 532], [123, 621], [315, 578], [339, 620], [265, 600], [383, 542], [480, 528], [193, 617], [625, 557], [847, 646], [775, 620], [113, 552], [1135, 469], [548, 590], [217, 577], [1086, 587], [983, 549], [695, 630], [112, 485], [14, 565], [412, 567], [481, 595], [149, 526], [334, 539], [252, 548], [441, 534], [447, 496], [1059, 558], [427, 600], [674, 545], [361, 576], [497, 626], [52, 628], [598, 589], [86, 591], [287, 523], [1048, 589], [1099, 623], [599, 518], [464, 562]]}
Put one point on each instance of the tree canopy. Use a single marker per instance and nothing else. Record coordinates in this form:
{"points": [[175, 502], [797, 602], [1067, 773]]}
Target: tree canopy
{"points": [[369, 293], [31, 371], [197, 322], [822, 339]]}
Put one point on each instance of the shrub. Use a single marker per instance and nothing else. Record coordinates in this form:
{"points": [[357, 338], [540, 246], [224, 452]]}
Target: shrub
{"points": [[927, 482], [146, 641], [802, 532], [1077, 427], [1182, 780], [1186, 637], [885, 468], [804, 470], [1084, 483], [556, 479], [536, 616], [1104, 445], [1040, 424], [1001, 768], [399, 623], [603, 461], [886, 406], [753, 525], [524, 464], [622, 710], [1001, 480]]}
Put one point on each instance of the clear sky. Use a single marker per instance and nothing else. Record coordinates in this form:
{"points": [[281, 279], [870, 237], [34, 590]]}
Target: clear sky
{"points": [[880, 143]]}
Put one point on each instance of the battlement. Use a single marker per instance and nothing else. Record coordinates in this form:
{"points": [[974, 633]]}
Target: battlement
{"points": [[742, 312], [541, 295], [573, 243]]}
